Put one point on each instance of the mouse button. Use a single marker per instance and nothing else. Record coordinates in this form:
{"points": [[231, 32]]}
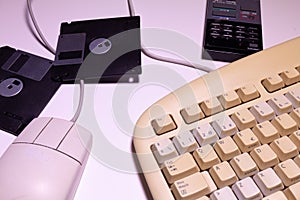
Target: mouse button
{"points": [[37, 171], [77, 143], [32, 130], [54, 133]]}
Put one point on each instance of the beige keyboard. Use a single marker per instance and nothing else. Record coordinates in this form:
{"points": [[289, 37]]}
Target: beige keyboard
{"points": [[231, 134]]}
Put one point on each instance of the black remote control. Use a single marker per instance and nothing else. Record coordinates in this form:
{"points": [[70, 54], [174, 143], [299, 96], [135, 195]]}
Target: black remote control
{"points": [[232, 29]]}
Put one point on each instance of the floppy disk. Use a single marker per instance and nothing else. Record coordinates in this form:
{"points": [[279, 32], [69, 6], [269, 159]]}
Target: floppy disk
{"points": [[25, 88], [99, 50]]}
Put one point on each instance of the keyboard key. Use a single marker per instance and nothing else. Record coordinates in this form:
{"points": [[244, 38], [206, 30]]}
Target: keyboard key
{"points": [[163, 150], [246, 140], [248, 93], [297, 160], [211, 184], [284, 148], [268, 181], [290, 76], [211, 106], [280, 104], [273, 83], [185, 142], [192, 113], [288, 171], [226, 148], [163, 124], [293, 192], [264, 157], [246, 189], [180, 167], [295, 114], [190, 187], [206, 157], [205, 134], [223, 174], [294, 96], [284, 124], [262, 112], [224, 126], [243, 165], [265, 132], [276, 196], [223, 194], [203, 198], [229, 99], [295, 137], [243, 119]]}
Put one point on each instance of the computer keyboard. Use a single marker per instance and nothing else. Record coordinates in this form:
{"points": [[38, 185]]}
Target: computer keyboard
{"points": [[231, 134]]}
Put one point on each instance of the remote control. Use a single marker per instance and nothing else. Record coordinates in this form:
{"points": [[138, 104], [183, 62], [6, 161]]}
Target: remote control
{"points": [[232, 29]]}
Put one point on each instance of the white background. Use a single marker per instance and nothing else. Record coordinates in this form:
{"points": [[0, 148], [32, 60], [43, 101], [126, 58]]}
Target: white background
{"points": [[280, 21]]}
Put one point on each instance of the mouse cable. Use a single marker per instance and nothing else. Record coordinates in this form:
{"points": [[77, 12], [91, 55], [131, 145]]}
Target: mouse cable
{"points": [[37, 28], [149, 54], [51, 49]]}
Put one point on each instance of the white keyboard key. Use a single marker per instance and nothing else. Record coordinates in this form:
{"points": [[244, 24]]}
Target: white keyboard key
{"points": [[163, 124], [246, 189], [264, 157], [223, 194], [276, 196], [295, 137], [268, 181], [226, 148], [224, 126], [190, 187], [290, 76], [295, 114], [205, 134], [223, 174], [246, 140], [206, 157], [284, 148], [164, 150], [294, 96], [185, 142], [265, 132], [280, 104], [247, 93], [288, 171], [285, 124], [273, 83], [229, 99], [211, 106], [293, 192], [179, 167], [243, 119], [262, 112], [192, 113], [243, 165]]}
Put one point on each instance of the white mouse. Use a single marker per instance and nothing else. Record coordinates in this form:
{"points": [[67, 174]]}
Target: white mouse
{"points": [[45, 161]]}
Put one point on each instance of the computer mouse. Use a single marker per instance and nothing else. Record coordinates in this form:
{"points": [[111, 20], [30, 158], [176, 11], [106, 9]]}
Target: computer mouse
{"points": [[45, 161]]}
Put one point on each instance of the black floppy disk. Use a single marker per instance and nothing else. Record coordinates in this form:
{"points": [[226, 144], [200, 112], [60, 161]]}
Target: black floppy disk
{"points": [[99, 50], [25, 88]]}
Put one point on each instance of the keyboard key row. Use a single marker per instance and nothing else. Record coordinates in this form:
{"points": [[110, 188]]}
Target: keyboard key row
{"points": [[282, 110]]}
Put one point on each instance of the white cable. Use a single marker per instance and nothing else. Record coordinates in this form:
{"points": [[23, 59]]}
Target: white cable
{"points": [[51, 49], [166, 59], [36, 26], [80, 103]]}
